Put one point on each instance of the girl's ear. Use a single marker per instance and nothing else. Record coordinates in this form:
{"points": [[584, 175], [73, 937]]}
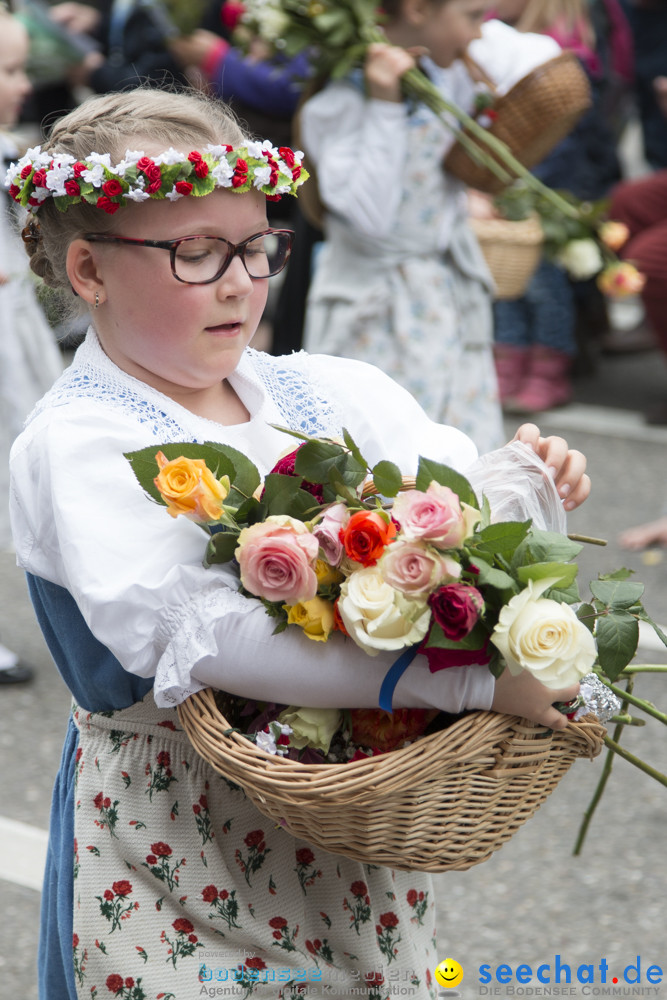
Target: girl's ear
{"points": [[84, 272]]}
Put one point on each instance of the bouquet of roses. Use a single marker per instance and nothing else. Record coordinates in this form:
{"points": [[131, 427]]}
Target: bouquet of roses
{"points": [[329, 544]]}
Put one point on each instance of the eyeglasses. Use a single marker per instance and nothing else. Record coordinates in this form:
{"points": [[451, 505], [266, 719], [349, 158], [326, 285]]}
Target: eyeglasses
{"points": [[199, 260]]}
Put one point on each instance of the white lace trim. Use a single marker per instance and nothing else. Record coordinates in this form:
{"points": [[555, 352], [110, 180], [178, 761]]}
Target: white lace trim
{"points": [[295, 386]]}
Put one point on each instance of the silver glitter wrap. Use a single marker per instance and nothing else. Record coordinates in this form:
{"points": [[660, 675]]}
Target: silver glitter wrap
{"points": [[594, 696]]}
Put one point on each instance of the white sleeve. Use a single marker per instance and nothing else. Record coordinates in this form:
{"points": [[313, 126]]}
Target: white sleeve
{"points": [[358, 146], [82, 521]]}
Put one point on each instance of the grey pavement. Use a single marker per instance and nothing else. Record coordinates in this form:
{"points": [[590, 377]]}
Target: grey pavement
{"points": [[533, 900]]}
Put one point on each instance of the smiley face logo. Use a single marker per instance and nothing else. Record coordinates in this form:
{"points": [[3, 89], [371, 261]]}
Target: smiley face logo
{"points": [[449, 973]]}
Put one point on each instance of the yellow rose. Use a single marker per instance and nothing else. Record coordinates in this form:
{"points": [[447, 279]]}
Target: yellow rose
{"points": [[188, 487], [544, 637], [326, 574], [614, 234], [315, 617], [311, 727]]}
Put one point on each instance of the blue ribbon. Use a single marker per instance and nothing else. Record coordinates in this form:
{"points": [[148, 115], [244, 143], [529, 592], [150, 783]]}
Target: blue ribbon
{"points": [[394, 674]]}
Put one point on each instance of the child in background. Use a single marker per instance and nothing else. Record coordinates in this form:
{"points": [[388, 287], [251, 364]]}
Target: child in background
{"points": [[535, 335], [29, 358], [172, 862], [400, 280]]}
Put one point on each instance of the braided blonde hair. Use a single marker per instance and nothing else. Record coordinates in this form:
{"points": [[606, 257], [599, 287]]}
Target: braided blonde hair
{"points": [[112, 123]]}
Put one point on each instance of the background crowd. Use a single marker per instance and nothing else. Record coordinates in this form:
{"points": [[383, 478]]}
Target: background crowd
{"points": [[51, 56]]}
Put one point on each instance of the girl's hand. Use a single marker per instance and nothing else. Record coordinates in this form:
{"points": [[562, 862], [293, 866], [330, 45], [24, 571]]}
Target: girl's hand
{"points": [[522, 694], [567, 466], [384, 67]]}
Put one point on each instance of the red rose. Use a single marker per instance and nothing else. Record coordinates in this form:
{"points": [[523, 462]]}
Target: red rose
{"points": [[389, 919], [106, 205], [26, 171], [296, 173], [14, 192], [412, 897], [122, 887], [287, 155], [277, 922], [107, 802], [99, 798], [373, 727], [254, 839], [192, 938], [304, 856], [72, 188], [78, 168], [200, 165], [209, 894], [154, 186], [161, 849], [112, 187], [224, 894], [310, 945], [366, 536], [277, 935], [75, 940], [144, 163], [374, 978], [39, 178], [164, 758], [151, 859], [274, 197], [358, 888], [183, 925], [168, 724], [108, 894], [114, 983], [129, 982], [456, 608], [183, 187]]}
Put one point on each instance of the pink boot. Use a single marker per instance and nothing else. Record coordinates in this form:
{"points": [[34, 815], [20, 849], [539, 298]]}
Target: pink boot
{"points": [[547, 383], [511, 365]]}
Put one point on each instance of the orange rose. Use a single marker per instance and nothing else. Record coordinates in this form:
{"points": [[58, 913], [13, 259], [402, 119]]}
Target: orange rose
{"points": [[620, 280], [188, 487], [366, 535], [614, 234]]}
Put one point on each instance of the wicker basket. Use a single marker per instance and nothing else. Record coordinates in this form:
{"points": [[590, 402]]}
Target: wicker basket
{"points": [[531, 118], [446, 802], [512, 250]]}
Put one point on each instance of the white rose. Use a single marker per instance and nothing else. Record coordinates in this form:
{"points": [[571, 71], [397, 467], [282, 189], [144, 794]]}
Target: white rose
{"points": [[378, 617], [581, 259], [544, 637]]}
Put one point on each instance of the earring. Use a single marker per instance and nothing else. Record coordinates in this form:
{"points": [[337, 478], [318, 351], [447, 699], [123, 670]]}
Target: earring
{"points": [[97, 299]]}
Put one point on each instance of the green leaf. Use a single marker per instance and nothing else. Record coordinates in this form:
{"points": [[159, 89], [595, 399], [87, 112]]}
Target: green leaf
{"points": [[564, 573], [221, 547], [430, 471], [617, 636], [545, 546], [353, 448], [283, 495], [387, 478], [502, 537], [486, 513], [586, 614], [617, 594], [474, 640], [316, 461], [145, 467], [489, 575]]}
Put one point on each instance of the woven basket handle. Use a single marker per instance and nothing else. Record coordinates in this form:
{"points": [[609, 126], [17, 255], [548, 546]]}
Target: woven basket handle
{"points": [[477, 73]]}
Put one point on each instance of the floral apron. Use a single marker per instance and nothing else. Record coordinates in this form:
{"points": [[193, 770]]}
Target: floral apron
{"points": [[183, 889]]}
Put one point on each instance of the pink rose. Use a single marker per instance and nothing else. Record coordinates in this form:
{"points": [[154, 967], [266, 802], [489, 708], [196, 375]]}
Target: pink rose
{"points": [[277, 560], [435, 516], [327, 532], [414, 568], [456, 608]]}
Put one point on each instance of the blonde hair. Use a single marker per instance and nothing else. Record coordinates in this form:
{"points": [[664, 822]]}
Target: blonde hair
{"points": [[565, 15], [112, 123]]}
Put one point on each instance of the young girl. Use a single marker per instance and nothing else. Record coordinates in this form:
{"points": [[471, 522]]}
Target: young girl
{"points": [[29, 357], [401, 281], [158, 866]]}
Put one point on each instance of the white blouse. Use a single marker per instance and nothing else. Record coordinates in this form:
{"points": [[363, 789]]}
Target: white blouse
{"points": [[81, 520]]}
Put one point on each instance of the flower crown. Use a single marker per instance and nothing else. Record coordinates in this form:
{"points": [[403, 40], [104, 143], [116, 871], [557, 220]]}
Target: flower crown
{"points": [[256, 165]]}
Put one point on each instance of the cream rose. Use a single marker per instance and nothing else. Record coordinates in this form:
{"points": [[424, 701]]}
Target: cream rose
{"points": [[378, 617], [544, 637], [581, 259], [311, 727]]}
